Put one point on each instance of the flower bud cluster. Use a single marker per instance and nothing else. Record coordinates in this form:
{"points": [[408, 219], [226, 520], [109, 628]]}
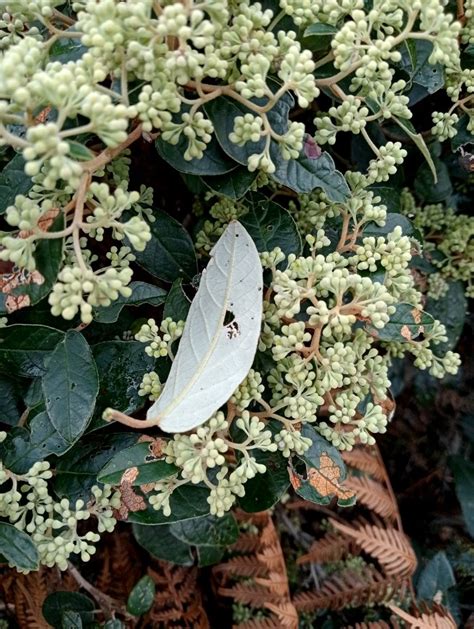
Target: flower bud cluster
{"points": [[53, 524], [159, 345]]}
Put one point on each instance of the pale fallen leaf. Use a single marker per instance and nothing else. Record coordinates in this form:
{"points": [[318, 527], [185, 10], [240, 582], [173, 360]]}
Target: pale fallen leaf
{"points": [[220, 336]]}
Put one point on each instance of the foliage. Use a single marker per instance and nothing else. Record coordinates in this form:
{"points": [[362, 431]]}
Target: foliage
{"points": [[253, 216]]}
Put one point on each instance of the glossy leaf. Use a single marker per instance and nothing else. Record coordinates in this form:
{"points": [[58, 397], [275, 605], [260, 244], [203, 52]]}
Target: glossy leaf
{"points": [[305, 174], [70, 386], [10, 410], [139, 456], [214, 161], [186, 502], [451, 309], [436, 576], [142, 293], [170, 252], [406, 324], [18, 548], [22, 448], [214, 356], [463, 471], [270, 226], [56, 604], [24, 349], [13, 181], [161, 543], [141, 597], [234, 184], [76, 471], [121, 366], [177, 304]]}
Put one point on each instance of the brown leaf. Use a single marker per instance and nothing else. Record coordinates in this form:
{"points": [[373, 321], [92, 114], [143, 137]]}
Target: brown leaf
{"points": [[131, 501], [326, 479], [156, 446], [44, 223]]}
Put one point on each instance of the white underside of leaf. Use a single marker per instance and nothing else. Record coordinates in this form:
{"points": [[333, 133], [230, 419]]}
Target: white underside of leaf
{"points": [[214, 358]]}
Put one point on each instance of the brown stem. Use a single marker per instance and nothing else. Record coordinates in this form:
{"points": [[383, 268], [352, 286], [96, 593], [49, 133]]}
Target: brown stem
{"points": [[109, 154], [111, 415], [108, 604]]}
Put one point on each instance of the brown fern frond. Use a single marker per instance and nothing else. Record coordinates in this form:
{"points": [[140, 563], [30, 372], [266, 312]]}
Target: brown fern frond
{"points": [[258, 577], [332, 547], [376, 624], [436, 618], [119, 556], [372, 495], [178, 602], [26, 594], [351, 588], [247, 543], [390, 547], [365, 460], [264, 623]]}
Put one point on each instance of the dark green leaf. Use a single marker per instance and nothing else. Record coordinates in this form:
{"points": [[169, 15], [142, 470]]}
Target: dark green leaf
{"points": [[214, 161], [451, 310], [121, 366], [436, 576], [76, 471], [70, 386], [114, 623], [79, 152], [141, 597], [67, 49], [186, 502], [407, 127], [463, 136], [56, 604], [139, 456], [406, 324], [427, 189], [234, 184], [17, 547], [142, 293], [170, 253], [161, 543], [13, 181], [305, 175], [71, 620], [318, 36], [207, 537], [11, 401], [270, 226], [390, 196], [21, 449], [393, 220], [24, 348], [430, 77], [264, 490], [177, 304], [463, 471]]}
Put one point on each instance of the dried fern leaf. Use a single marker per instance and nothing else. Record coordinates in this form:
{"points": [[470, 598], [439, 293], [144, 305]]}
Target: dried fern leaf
{"points": [[258, 577], [264, 623], [373, 495], [390, 547], [365, 460], [438, 618], [377, 624], [182, 604], [350, 588], [331, 547]]}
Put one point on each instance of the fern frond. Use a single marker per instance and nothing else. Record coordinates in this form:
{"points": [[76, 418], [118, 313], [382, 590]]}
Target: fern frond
{"points": [[331, 547], [372, 495], [365, 460], [351, 588], [390, 547], [436, 618]]}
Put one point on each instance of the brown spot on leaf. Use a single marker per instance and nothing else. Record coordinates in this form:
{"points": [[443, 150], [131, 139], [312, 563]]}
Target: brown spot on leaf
{"points": [[131, 501], [406, 332], [294, 479], [156, 447], [16, 302], [416, 315]]}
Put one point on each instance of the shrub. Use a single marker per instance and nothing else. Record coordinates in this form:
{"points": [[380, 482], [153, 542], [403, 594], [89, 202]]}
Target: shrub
{"points": [[253, 105]]}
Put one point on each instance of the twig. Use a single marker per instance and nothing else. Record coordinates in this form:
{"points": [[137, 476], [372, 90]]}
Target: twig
{"points": [[110, 606]]}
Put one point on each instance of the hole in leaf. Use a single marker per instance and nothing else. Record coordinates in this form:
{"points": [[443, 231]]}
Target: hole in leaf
{"points": [[231, 325]]}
